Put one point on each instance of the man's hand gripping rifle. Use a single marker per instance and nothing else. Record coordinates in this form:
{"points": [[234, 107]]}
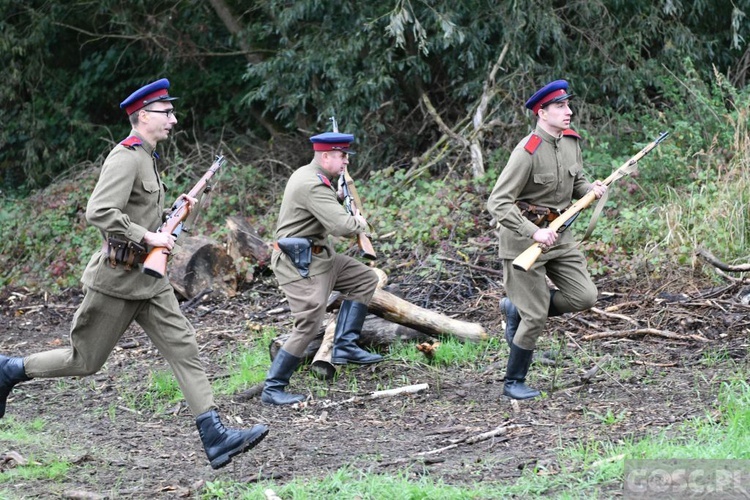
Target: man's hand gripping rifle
{"points": [[156, 262], [524, 261]]}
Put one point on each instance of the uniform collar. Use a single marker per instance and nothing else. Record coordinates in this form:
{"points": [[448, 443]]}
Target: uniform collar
{"points": [[319, 169], [546, 136], [148, 147]]}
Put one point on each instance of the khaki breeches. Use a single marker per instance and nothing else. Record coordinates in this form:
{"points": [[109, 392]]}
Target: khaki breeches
{"points": [[531, 295], [99, 323], [308, 298]]}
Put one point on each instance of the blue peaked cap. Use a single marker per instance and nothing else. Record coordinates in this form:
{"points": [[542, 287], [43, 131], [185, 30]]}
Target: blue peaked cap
{"points": [[155, 91], [552, 92], [332, 141]]}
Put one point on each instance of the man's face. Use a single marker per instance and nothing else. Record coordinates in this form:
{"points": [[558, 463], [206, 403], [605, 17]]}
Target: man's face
{"points": [[157, 121], [334, 162], [557, 115]]}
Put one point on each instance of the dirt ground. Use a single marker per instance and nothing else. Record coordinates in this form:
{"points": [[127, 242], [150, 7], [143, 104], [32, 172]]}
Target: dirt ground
{"points": [[647, 383]]}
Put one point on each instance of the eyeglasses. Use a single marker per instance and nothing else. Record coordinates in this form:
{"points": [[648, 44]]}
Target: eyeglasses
{"points": [[168, 112]]}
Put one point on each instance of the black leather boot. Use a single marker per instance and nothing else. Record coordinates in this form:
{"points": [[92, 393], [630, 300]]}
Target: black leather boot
{"points": [[348, 327], [11, 373], [515, 376], [512, 319], [552, 311], [220, 443], [278, 377]]}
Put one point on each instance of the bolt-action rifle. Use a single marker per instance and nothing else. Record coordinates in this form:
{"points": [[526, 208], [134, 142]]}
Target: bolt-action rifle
{"points": [[353, 205], [156, 262], [524, 261]]}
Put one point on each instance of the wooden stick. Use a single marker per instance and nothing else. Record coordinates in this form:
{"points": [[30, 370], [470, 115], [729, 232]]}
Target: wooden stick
{"points": [[643, 331], [472, 439], [409, 389], [615, 316]]}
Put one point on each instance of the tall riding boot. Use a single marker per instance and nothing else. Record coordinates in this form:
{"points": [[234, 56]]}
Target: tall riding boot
{"points": [[278, 377], [220, 443], [552, 311], [348, 327], [512, 319], [515, 376], [11, 373]]}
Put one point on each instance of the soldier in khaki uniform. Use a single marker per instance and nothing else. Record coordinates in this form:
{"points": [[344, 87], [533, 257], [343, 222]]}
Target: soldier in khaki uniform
{"points": [[543, 174], [127, 206], [308, 269]]}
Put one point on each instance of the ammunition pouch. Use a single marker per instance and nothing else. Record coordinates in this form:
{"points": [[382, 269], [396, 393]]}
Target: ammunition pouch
{"points": [[125, 252], [540, 216], [300, 251]]}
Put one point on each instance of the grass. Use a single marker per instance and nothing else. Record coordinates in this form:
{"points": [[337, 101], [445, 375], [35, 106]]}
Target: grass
{"points": [[38, 467], [588, 470]]}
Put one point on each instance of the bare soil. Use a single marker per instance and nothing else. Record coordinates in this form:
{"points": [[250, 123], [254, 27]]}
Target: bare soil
{"points": [[647, 383]]}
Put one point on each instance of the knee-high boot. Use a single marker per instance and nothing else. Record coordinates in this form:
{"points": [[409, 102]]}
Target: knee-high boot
{"points": [[512, 319], [220, 443], [348, 328], [11, 373], [515, 376], [277, 379]]}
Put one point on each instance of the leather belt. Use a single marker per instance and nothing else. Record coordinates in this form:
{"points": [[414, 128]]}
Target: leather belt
{"points": [[316, 249]]}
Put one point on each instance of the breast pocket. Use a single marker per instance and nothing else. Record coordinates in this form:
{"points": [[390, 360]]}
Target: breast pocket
{"points": [[544, 179], [150, 186], [575, 170]]}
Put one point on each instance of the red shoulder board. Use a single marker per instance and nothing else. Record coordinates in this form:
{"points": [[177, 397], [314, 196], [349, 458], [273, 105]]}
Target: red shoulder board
{"points": [[569, 132], [131, 142], [532, 144], [325, 180]]}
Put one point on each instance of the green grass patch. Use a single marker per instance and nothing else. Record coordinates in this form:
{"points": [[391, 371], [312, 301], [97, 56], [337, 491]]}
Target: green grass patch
{"points": [[450, 352], [37, 467], [247, 365]]}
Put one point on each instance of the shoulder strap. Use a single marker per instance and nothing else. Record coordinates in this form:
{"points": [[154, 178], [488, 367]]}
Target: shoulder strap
{"points": [[131, 142], [532, 144]]}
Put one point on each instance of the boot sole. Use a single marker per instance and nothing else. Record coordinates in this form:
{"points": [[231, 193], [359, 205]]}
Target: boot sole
{"points": [[341, 361], [224, 459]]}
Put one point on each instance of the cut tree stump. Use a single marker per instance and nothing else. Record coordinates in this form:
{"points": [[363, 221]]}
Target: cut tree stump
{"points": [[199, 264], [246, 247]]}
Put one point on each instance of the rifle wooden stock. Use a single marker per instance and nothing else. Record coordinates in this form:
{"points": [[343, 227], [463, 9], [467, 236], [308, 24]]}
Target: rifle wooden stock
{"points": [[366, 250], [524, 261], [156, 262]]}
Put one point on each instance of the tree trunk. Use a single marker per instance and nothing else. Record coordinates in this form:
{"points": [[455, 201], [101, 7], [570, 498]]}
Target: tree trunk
{"points": [[246, 247], [200, 263], [397, 310]]}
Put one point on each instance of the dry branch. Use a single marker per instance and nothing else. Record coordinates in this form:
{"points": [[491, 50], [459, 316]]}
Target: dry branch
{"points": [[472, 439], [709, 257], [643, 331], [409, 389]]}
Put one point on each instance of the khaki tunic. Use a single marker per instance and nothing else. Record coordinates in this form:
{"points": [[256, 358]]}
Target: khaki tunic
{"points": [[311, 209], [128, 201], [550, 175]]}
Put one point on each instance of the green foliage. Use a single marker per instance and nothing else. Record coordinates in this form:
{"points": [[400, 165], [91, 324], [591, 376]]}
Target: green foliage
{"points": [[44, 239]]}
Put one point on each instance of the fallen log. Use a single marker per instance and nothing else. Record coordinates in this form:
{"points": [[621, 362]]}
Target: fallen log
{"points": [[200, 263], [397, 310]]}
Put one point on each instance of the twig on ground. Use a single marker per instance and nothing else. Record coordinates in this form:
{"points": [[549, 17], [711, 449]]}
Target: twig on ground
{"points": [[473, 439], [409, 389], [643, 331]]}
